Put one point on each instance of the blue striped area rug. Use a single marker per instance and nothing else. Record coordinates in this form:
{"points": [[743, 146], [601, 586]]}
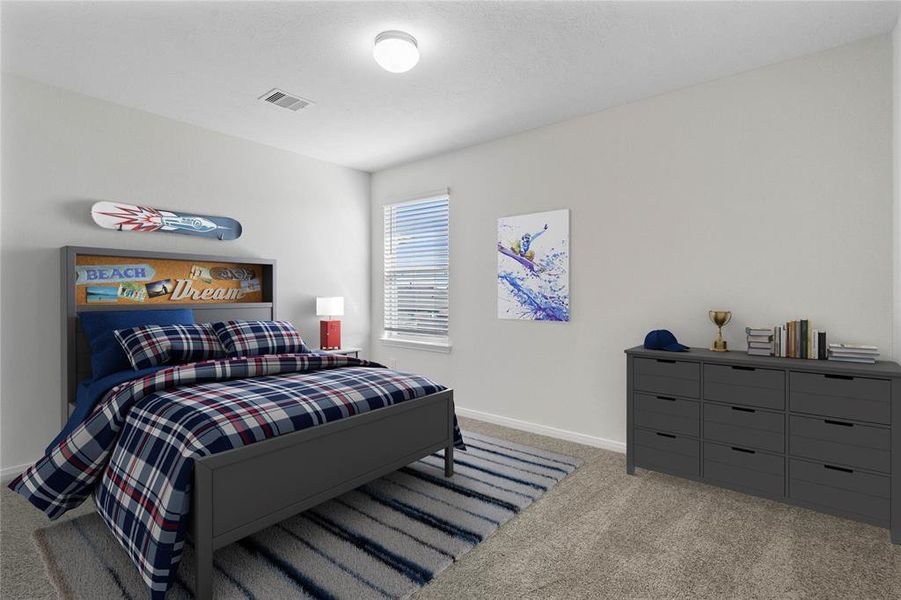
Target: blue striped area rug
{"points": [[385, 539]]}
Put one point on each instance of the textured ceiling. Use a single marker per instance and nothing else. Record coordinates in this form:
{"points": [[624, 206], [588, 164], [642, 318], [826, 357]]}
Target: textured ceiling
{"points": [[487, 69]]}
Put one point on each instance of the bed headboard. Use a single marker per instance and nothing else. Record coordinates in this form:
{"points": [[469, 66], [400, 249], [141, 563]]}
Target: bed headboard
{"points": [[253, 299]]}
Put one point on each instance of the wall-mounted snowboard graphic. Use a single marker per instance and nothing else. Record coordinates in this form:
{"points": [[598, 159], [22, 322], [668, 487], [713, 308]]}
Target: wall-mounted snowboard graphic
{"points": [[128, 217]]}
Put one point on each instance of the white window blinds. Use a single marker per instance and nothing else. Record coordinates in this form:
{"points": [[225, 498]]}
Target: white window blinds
{"points": [[416, 269]]}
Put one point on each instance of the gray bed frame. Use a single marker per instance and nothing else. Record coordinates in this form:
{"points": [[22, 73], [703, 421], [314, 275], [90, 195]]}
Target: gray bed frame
{"points": [[242, 491]]}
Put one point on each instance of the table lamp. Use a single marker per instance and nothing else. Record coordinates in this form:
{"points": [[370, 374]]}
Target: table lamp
{"points": [[329, 329]]}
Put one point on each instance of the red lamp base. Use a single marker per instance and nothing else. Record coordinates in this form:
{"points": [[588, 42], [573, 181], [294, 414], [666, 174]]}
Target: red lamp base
{"points": [[330, 335]]}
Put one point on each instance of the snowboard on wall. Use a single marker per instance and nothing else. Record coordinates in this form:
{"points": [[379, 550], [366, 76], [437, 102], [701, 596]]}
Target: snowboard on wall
{"points": [[531, 266], [129, 217]]}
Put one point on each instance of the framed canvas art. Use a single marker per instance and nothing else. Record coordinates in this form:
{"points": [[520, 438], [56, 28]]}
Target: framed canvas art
{"points": [[533, 266]]}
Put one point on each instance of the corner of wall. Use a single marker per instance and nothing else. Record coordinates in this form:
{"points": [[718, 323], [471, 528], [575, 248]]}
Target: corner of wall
{"points": [[896, 190]]}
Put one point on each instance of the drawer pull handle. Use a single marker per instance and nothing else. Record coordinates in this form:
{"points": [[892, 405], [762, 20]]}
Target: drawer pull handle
{"points": [[833, 422], [745, 450], [668, 398], [743, 409], [666, 435], [666, 360], [834, 468], [833, 376], [738, 368]]}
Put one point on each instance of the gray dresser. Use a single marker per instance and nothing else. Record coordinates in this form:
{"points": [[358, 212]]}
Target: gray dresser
{"points": [[813, 433]]}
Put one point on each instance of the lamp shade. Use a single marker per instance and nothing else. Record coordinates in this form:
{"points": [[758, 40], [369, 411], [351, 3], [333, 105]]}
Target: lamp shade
{"points": [[330, 306]]}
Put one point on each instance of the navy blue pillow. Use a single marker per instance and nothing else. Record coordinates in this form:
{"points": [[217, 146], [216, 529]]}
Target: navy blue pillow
{"points": [[107, 355]]}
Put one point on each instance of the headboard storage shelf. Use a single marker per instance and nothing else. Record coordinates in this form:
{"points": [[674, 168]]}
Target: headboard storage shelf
{"points": [[216, 288], [192, 305]]}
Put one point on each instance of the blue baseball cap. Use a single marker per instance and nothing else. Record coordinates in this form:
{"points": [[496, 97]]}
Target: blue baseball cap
{"points": [[663, 339]]}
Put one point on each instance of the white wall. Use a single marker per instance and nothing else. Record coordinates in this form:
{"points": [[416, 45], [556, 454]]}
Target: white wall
{"points": [[768, 193], [63, 151], [896, 206]]}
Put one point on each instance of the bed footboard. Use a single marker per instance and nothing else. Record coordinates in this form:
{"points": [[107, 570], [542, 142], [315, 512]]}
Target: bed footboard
{"points": [[242, 491]]}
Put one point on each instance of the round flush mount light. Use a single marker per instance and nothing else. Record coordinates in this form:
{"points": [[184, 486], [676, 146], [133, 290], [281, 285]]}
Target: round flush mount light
{"points": [[396, 51]]}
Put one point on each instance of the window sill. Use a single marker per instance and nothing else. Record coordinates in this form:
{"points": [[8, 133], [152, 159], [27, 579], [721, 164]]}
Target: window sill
{"points": [[443, 347]]}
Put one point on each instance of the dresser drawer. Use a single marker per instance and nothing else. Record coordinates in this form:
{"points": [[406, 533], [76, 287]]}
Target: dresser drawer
{"points": [[751, 386], [667, 413], [667, 376], [745, 468], [663, 451], [841, 396], [744, 426], [861, 494], [834, 441]]}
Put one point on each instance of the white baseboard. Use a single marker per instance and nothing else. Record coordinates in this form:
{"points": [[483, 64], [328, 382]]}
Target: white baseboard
{"points": [[563, 434], [7, 474]]}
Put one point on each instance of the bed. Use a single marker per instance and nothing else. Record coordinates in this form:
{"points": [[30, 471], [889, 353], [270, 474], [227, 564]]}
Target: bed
{"points": [[238, 491]]}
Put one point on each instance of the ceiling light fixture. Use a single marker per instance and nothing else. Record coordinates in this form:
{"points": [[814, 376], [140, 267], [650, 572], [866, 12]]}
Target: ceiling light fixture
{"points": [[396, 51]]}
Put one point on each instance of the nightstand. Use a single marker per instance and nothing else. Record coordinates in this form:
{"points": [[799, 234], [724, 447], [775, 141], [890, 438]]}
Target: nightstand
{"points": [[355, 352]]}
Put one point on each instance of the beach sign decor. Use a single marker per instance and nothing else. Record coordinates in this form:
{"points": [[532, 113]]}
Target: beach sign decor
{"points": [[113, 273], [132, 291], [123, 280], [533, 266]]}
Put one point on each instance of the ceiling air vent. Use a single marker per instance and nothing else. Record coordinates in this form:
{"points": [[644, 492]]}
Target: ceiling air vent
{"points": [[285, 100]]}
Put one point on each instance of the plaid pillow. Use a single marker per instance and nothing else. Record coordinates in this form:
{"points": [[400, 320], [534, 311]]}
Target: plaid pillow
{"points": [[253, 338], [152, 345]]}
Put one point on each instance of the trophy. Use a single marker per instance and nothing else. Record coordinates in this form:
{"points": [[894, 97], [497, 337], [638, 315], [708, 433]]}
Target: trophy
{"points": [[720, 318]]}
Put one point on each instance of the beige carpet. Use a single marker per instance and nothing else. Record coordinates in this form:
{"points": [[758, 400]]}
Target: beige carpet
{"points": [[603, 534], [372, 542]]}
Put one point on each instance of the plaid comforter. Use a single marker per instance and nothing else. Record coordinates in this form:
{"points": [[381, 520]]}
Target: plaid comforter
{"points": [[135, 452]]}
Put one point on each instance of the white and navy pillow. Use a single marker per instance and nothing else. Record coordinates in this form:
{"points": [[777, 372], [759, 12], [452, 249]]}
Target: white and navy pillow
{"points": [[153, 345], [253, 338]]}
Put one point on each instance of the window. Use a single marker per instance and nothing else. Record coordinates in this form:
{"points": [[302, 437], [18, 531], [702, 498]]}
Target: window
{"points": [[416, 271]]}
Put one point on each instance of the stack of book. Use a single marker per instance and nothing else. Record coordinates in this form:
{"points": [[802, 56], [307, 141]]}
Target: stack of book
{"points": [[797, 339], [853, 353], [760, 341]]}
